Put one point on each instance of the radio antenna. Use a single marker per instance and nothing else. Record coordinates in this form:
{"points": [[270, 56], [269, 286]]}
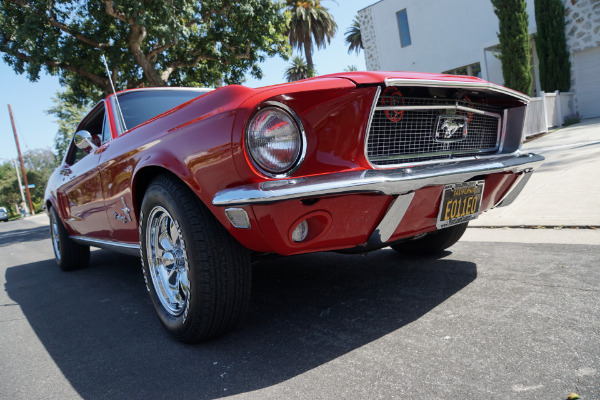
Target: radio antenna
{"points": [[103, 58]]}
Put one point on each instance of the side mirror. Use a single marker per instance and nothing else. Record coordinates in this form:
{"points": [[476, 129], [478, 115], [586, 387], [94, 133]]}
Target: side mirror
{"points": [[83, 140]]}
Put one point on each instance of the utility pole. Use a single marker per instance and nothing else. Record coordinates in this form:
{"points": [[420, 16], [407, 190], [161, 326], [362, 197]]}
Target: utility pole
{"points": [[12, 120], [19, 182]]}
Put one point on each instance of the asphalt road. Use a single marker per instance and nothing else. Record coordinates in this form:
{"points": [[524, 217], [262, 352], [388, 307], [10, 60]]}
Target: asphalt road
{"points": [[488, 320]]}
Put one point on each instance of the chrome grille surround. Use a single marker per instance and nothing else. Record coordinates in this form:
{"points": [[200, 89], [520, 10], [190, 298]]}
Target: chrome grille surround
{"points": [[403, 130]]}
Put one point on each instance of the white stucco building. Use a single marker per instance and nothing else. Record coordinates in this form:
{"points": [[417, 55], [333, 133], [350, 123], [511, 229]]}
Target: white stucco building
{"points": [[460, 36]]}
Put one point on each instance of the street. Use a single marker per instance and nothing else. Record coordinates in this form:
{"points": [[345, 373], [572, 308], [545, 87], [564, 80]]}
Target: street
{"points": [[507, 312]]}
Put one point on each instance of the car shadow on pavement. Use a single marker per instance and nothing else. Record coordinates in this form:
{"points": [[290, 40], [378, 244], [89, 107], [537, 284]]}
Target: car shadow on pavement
{"points": [[99, 327], [23, 235]]}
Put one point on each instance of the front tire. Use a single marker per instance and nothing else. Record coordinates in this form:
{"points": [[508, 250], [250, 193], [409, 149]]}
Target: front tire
{"points": [[197, 275], [68, 254], [432, 243]]}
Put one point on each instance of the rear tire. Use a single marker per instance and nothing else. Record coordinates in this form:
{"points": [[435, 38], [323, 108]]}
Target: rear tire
{"points": [[68, 254], [432, 243], [197, 275]]}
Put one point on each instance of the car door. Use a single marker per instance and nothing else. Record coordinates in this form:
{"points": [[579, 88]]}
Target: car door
{"points": [[80, 193], [120, 157], [116, 167]]}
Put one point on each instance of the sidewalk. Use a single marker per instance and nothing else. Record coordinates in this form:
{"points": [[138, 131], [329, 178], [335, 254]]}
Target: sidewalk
{"points": [[565, 190]]}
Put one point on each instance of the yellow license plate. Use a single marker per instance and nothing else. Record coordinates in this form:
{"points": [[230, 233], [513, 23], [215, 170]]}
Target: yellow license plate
{"points": [[460, 203]]}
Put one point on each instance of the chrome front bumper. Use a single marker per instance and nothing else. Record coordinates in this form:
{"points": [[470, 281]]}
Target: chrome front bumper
{"points": [[383, 181]]}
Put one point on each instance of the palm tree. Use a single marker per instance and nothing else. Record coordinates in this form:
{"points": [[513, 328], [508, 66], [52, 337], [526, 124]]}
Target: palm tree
{"points": [[351, 68], [353, 37], [310, 22], [297, 70]]}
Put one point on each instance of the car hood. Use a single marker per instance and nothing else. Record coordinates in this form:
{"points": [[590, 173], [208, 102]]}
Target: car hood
{"points": [[373, 77], [399, 78]]}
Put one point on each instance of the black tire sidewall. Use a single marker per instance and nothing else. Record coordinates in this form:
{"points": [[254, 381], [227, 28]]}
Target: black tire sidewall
{"points": [[72, 255], [158, 195]]}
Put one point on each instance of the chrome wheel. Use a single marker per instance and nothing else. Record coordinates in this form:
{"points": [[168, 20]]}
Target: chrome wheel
{"points": [[167, 260], [54, 236]]}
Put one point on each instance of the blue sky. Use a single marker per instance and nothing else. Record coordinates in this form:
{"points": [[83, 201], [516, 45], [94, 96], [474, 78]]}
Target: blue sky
{"points": [[30, 100]]}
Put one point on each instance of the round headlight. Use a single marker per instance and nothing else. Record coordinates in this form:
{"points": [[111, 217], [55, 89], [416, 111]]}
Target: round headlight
{"points": [[275, 141]]}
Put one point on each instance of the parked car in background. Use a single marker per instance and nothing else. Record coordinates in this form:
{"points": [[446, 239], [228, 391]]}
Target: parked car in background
{"points": [[199, 182], [3, 214]]}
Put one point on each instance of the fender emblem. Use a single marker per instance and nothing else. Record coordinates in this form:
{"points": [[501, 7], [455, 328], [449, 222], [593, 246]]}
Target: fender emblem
{"points": [[450, 128], [125, 218]]}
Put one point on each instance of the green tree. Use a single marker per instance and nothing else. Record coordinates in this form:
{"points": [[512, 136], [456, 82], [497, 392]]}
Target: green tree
{"points": [[353, 37], [147, 43], [551, 44], [350, 68], [297, 70], [68, 115], [514, 43], [9, 189], [310, 22], [41, 161], [39, 164]]}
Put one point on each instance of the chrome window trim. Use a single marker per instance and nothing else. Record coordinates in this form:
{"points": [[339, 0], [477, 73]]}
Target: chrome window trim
{"points": [[116, 114], [171, 88], [131, 249], [459, 85]]}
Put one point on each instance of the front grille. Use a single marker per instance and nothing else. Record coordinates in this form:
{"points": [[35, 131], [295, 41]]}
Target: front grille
{"points": [[406, 133]]}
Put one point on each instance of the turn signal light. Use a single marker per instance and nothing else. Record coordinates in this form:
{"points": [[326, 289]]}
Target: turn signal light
{"points": [[300, 232]]}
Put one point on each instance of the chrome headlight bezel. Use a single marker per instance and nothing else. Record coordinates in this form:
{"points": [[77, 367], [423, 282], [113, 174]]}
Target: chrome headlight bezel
{"points": [[251, 153]]}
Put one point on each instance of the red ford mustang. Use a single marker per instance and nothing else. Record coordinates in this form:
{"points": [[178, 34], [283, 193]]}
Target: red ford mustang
{"points": [[198, 182]]}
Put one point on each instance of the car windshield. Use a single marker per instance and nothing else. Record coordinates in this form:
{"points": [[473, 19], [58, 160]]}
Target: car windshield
{"points": [[140, 106]]}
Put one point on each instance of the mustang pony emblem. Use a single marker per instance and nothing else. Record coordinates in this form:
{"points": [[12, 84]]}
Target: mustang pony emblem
{"points": [[450, 128]]}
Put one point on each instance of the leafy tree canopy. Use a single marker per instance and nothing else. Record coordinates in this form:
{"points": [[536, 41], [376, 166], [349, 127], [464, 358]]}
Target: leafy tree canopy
{"points": [[9, 189], [514, 43], [39, 164], [68, 116], [551, 43], [297, 70], [310, 22], [147, 43], [353, 37]]}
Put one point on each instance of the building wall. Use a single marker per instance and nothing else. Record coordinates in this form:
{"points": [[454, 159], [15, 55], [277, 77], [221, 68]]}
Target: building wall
{"points": [[582, 24], [451, 34], [367, 32], [444, 35], [582, 31]]}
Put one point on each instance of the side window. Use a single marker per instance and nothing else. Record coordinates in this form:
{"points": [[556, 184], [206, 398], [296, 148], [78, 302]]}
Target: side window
{"points": [[94, 123], [76, 154], [403, 27], [106, 136], [140, 106]]}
